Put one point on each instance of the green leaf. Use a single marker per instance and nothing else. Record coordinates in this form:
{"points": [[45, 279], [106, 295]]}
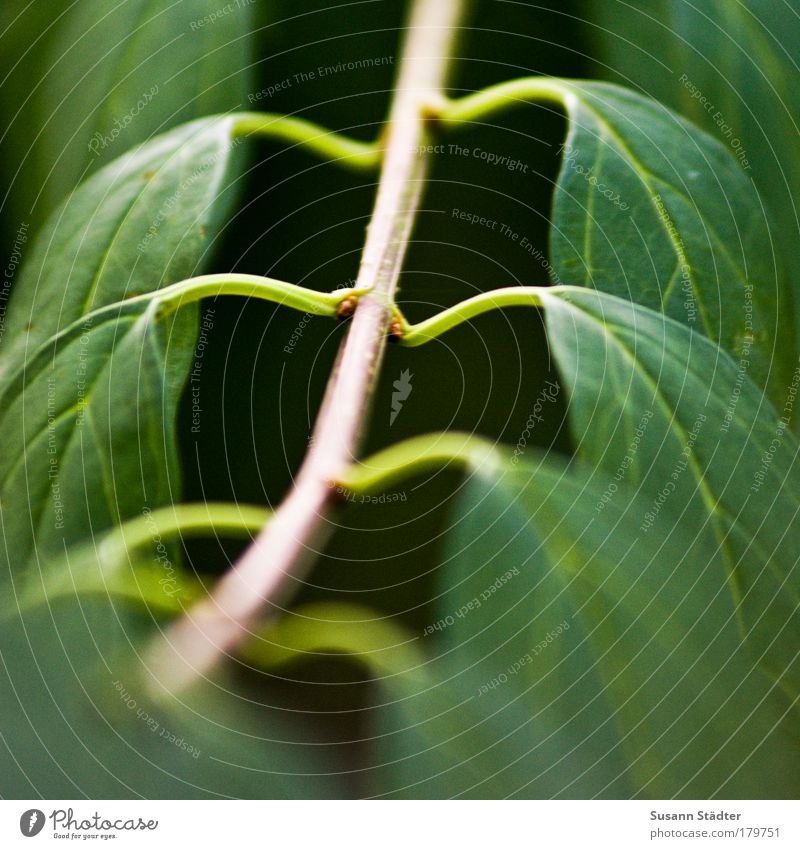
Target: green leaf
{"points": [[102, 80], [92, 365], [664, 410], [92, 419], [148, 219], [89, 398], [568, 654], [612, 658], [731, 68], [98, 345], [710, 447], [640, 602], [649, 208], [86, 462]]}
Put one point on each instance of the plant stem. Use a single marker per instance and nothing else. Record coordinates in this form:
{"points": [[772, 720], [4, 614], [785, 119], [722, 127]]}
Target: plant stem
{"points": [[275, 564]]}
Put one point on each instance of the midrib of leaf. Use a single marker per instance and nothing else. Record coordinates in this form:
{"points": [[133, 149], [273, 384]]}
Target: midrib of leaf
{"points": [[709, 499], [645, 177], [711, 231], [723, 523], [148, 185], [784, 484], [107, 474], [673, 281], [589, 220]]}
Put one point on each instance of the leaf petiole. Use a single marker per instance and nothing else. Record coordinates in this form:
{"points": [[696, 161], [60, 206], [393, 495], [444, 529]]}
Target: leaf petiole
{"points": [[180, 521], [323, 628], [496, 98], [162, 302], [250, 286], [418, 455], [512, 296], [104, 566], [344, 151]]}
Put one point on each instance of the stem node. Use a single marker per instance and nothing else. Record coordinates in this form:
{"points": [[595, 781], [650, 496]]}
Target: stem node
{"points": [[346, 308]]}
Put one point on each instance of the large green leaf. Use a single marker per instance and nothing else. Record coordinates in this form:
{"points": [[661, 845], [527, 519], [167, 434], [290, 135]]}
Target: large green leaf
{"points": [[90, 390], [92, 419], [146, 220], [731, 68], [103, 77], [649, 208], [612, 658], [632, 618], [711, 447]]}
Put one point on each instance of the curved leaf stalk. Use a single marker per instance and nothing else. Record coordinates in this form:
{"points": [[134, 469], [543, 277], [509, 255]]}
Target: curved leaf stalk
{"points": [[170, 298], [180, 521], [496, 98], [385, 647], [413, 335], [344, 151], [278, 559], [418, 455], [251, 286], [104, 566]]}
